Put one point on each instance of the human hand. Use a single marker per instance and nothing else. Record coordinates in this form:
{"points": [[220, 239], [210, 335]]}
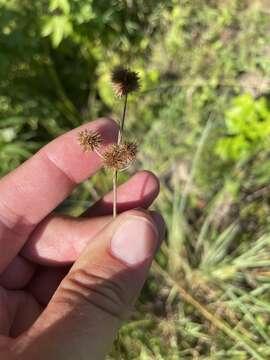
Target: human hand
{"points": [[48, 309]]}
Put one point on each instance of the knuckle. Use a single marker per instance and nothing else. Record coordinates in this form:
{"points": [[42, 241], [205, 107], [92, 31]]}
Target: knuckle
{"points": [[90, 288]]}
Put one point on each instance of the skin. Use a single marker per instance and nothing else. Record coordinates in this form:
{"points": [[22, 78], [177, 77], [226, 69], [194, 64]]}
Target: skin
{"points": [[63, 291]]}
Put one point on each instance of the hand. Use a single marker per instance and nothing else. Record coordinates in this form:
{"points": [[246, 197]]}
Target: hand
{"points": [[48, 309]]}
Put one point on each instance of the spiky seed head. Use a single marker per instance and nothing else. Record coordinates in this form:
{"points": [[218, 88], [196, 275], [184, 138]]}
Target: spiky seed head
{"points": [[119, 156], [131, 149], [124, 81], [115, 157], [89, 140]]}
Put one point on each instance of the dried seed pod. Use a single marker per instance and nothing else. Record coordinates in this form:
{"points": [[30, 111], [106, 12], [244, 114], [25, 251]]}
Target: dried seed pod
{"points": [[131, 150], [124, 81], [89, 140], [119, 156]]}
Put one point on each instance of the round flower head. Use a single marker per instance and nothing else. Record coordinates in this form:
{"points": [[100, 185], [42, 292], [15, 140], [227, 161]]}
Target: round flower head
{"points": [[131, 150], [89, 140], [124, 81], [119, 156]]}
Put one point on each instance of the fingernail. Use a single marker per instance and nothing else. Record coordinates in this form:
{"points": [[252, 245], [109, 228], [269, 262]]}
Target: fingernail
{"points": [[134, 241]]}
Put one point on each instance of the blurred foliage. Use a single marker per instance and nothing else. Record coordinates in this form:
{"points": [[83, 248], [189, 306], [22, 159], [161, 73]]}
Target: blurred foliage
{"points": [[202, 122], [248, 128]]}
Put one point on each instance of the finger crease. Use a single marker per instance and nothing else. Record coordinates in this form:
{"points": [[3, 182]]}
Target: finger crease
{"points": [[119, 315], [67, 176], [109, 284]]}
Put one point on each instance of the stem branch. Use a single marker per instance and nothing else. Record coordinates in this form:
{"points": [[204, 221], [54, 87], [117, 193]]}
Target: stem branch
{"points": [[99, 154]]}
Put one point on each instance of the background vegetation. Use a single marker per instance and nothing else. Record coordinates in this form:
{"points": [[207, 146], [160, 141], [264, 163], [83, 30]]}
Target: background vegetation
{"points": [[204, 115]]}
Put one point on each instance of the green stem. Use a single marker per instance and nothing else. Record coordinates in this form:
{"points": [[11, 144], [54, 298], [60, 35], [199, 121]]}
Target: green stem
{"points": [[195, 163]]}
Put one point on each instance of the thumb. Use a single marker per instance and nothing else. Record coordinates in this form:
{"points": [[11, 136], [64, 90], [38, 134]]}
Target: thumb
{"points": [[85, 313]]}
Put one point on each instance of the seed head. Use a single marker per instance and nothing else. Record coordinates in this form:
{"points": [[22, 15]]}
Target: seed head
{"points": [[89, 140], [124, 81], [131, 150], [119, 156]]}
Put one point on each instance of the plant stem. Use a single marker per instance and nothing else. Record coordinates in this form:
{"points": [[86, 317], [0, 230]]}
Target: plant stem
{"points": [[119, 140], [114, 193], [195, 163], [121, 127], [99, 154]]}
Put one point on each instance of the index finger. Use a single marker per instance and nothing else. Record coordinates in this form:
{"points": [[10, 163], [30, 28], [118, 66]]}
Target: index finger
{"points": [[34, 189]]}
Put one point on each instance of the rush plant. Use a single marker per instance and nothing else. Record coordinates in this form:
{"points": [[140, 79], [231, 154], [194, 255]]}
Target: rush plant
{"points": [[120, 155]]}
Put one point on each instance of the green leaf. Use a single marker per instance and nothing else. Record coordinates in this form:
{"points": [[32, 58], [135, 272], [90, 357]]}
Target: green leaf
{"points": [[58, 28], [60, 4]]}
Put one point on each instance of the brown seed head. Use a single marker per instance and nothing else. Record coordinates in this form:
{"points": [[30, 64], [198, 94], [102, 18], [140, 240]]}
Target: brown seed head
{"points": [[119, 156], [89, 140], [124, 81], [131, 150]]}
